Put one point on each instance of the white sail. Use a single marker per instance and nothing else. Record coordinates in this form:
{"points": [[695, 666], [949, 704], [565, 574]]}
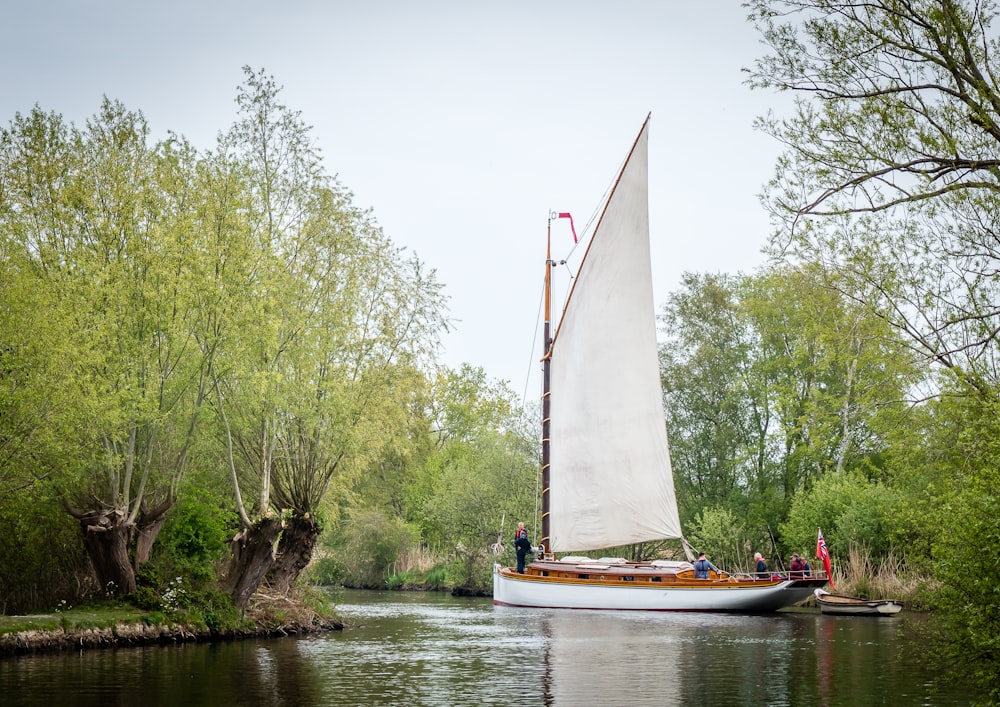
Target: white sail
{"points": [[610, 477]]}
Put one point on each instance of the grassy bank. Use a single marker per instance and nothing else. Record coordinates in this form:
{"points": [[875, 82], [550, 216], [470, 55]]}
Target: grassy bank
{"points": [[115, 623]]}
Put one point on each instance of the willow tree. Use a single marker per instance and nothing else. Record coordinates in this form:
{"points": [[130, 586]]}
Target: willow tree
{"points": [[326, 336], [891, 176], [891, 172], [93, 226]]}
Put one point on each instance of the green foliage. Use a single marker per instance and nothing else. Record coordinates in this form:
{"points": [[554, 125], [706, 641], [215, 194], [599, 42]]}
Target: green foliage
{"points": [[399, 580], [436, 578], [967, 600], [715, 401], [193, 540], [772, 382], [965, 551], [888, 179], [182, 573], [145, 597], [42, 561], [471, 465], [216, 611], [326, 571], [154, 618], [478, 485], [850, 510], [367, 546], [471, 570], [718, 533]]}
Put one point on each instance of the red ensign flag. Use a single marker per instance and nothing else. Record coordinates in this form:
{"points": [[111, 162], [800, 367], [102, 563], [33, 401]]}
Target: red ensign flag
{"points": [[823, 554]]}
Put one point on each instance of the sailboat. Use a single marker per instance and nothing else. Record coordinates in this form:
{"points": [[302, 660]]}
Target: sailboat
{"points": [[606, 474]]}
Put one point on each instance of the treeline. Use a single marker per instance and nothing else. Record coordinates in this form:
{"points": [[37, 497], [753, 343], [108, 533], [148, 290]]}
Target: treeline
{"points": [[209, 359], [788, 406]]}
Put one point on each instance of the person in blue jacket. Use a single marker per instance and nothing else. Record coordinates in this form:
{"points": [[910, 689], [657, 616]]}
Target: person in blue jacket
{"points": [[522, 546], [702, 566], [761, 567]]}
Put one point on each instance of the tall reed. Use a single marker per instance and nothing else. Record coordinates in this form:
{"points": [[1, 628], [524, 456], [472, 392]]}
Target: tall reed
{"points": [[885, 578]]}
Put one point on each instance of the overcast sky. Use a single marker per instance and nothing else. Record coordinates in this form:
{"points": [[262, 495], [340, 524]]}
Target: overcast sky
{"points": [[460, 124]]}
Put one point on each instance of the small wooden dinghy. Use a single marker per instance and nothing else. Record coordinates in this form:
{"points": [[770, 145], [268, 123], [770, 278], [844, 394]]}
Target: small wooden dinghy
{"points": [[854, 606]]}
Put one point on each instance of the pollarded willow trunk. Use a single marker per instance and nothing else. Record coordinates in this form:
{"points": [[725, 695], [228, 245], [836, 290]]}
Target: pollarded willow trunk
{"points": [[251, 559], [148, 527], [295, 548], [106, 537]]}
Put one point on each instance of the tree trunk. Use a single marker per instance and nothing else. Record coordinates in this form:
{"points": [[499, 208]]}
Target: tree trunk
{"points": [[148, 527], [146, 533], [106, 537], [295, 549], [252, 557]]}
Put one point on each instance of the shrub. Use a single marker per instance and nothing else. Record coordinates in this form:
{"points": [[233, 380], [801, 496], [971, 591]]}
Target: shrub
{"points": [[193, 539], [146, 598], [399, 580], [325, 571], [368, 547], [851, 511], [437, 577]]}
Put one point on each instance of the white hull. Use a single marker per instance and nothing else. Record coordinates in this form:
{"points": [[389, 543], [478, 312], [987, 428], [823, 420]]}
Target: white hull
{"points": [[524, 590]]}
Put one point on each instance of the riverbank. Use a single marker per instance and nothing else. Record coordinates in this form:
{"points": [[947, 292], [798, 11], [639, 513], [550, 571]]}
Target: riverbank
{"points": [[120, 625]]}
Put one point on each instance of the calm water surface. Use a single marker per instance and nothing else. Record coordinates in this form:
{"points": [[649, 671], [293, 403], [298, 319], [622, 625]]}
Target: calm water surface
{"points": [[433, 649]]}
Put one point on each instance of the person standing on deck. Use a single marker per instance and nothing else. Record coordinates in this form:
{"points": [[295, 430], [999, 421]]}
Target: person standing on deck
{"points": [[761, 566], [522, 546], [702, 566]]}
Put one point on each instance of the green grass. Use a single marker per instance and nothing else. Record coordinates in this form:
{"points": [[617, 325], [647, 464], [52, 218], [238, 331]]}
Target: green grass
{"points": [[77, 617], [398, 580]]}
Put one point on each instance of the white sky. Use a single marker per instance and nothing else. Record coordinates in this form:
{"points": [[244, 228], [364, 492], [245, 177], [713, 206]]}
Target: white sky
{"points": [[460, 123]]}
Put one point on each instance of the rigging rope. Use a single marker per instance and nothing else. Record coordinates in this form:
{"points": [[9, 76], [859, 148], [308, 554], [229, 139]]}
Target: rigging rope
{"points": [[497, 547]]}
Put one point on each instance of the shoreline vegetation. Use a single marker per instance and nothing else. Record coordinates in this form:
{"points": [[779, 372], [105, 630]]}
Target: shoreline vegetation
{"points": [[114, 624]]}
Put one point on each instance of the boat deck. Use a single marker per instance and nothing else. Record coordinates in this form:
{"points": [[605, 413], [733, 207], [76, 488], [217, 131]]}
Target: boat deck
{"points": [[618, 572]]}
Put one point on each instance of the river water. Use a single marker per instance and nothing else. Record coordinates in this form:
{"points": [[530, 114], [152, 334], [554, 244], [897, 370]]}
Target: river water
{"points": [[433, 649]]}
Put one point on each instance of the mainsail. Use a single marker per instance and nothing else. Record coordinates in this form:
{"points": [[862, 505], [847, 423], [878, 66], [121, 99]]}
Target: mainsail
{"points": [[610, 477]]}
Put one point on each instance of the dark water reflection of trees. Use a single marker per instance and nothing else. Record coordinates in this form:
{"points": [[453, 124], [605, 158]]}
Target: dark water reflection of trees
{"points": [[432, 649]]}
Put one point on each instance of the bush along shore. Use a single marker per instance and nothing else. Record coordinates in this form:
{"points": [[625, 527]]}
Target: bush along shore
{"points": [[110, 625]]}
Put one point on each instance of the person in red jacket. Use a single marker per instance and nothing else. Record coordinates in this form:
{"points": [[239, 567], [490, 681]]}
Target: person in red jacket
{"points": [[797, 569]]}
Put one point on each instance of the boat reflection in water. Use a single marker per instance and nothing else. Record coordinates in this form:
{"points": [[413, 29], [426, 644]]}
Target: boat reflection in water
{"points": [[603, 657], [786, 658]]}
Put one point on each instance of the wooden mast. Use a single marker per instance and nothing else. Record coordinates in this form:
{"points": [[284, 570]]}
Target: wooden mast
{"points": [[546, 363]]}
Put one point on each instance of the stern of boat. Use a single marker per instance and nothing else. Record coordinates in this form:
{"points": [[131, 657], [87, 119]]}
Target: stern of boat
{"points": [[498, 584]]}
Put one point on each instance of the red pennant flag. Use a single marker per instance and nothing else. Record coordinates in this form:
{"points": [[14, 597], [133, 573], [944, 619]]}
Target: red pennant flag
{"points": [[824, 554], [571, 226]]}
